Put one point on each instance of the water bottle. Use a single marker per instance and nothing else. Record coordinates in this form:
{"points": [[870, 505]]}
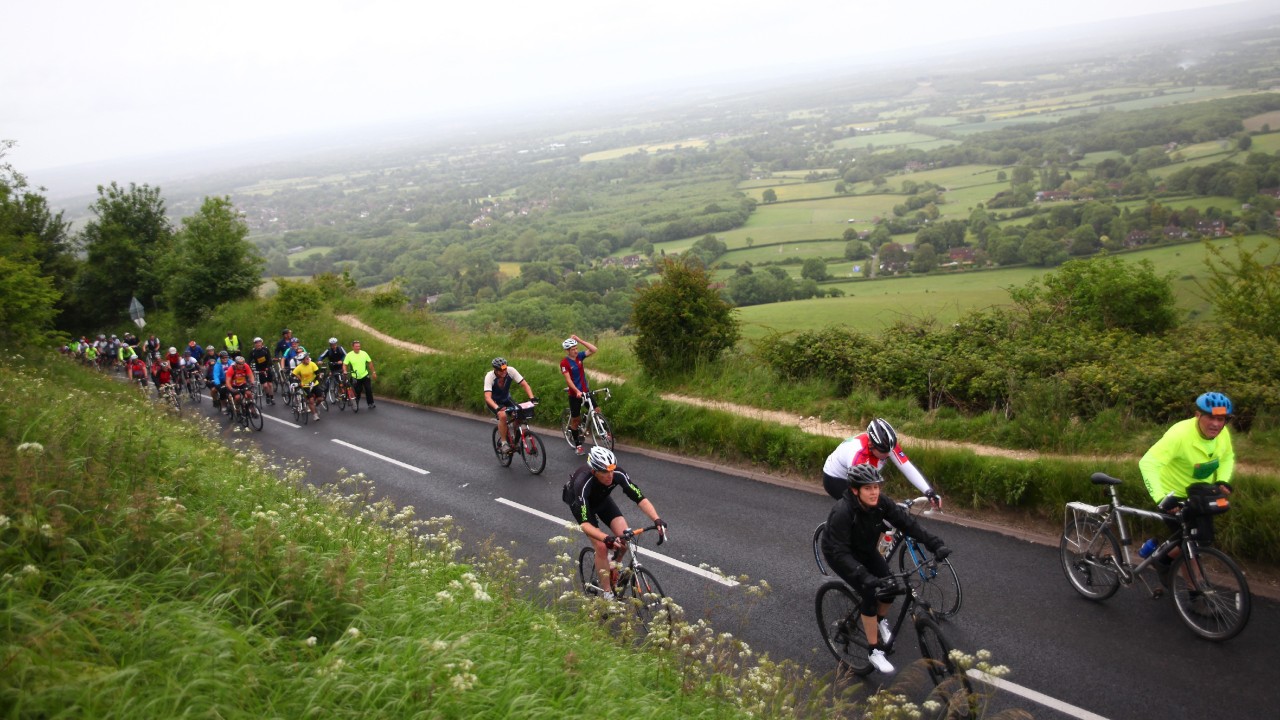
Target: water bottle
{"points": [[1147, 548]]}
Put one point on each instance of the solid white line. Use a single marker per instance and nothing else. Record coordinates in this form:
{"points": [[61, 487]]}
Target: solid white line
{"points": [[393, 461], [727, 582], [1026, 692]]}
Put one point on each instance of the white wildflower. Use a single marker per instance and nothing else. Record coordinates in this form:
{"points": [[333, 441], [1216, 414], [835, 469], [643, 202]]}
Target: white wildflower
{"points": [[30, 448], [311, 641]]}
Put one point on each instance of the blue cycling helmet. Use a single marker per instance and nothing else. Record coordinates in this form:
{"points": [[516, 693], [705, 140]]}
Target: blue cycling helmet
{"points": [[1214, 403]]}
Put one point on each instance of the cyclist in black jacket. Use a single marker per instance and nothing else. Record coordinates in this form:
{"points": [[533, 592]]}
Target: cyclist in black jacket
{"points": [[587, 495], [853, 528], [263, 363]]}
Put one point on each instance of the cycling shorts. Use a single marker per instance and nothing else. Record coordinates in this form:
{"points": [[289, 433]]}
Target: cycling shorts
{"points": [[575, 405], [602, 512]]}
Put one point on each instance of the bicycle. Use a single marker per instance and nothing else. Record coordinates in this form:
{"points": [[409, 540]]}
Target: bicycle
{"points": [[630, 581], [245, 411], [840, 623], [193, 384], [168, 395], [298, 403], [521, 439], [1209, 589], [937, 581], [592, 421], [342, 394]]}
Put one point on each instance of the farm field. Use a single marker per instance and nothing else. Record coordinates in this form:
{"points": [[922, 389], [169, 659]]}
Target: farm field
{"points": [[1199, 203], [615, 153], [870, 305], [793, 190], [1255, 123], [304, 254], [888, 139], [787, 251], [1269, 143]]}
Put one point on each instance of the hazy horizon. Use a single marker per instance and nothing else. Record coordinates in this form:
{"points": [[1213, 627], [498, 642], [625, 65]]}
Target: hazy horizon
{"points": [[146, 80]]}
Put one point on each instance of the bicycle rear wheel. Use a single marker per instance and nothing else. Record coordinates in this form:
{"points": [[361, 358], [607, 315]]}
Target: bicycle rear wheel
{"points": [[565, 418], [1089, 553], [587, 579], [841, 626], [952, 686], [818, 533], [533, 452], [504, 458], [1211, 594], [938, 584]]}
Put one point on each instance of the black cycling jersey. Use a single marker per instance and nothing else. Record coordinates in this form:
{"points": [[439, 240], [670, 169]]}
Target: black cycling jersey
{"points": [[584, 493], [335, 356], [850, 542], [260, 358]]}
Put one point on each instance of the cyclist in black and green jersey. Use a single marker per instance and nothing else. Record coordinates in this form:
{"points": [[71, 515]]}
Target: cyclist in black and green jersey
{"points": [[587, 495]]}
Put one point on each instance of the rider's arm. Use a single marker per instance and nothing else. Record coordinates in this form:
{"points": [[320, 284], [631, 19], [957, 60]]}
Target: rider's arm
{"points": [[488, 400], [590, 349], [908, 469], [906, 522], [593, 532], [1226, 459], [837, 546], [527, 391], [647, 508]]}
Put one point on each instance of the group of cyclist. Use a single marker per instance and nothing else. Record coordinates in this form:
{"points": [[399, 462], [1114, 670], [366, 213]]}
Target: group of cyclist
{"points": [[1194, 457], [230, 374]]}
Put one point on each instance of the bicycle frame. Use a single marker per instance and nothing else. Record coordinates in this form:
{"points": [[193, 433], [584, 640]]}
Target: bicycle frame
{"points": [[633, 564], [592, 411], [1113, 514]]}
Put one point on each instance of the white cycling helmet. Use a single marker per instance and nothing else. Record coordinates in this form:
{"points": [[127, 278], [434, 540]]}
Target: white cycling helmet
{"points": [[601, 458], [257, 339], [173, 351], [333, 341], [569, 344]]}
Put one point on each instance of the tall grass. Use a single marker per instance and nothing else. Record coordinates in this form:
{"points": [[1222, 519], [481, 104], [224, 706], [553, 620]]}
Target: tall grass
{"points": [[149, 570]]}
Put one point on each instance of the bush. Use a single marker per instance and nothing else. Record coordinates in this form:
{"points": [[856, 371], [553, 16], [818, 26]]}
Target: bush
{"points": [[681, 319]]}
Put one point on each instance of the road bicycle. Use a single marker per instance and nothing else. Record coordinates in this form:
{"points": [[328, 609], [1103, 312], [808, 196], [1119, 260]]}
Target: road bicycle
{"points": [[245, 411], [298, 403], [520, 439], [193, 384], [168, 395], [840, 622], [340, 392], [936, 581], [631, 582], [1209, 589], [592, 422]]}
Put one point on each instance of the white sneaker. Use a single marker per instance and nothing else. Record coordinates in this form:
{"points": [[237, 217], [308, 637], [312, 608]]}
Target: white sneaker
{"points": [[506, 446], [880, 662], [885, 633]]}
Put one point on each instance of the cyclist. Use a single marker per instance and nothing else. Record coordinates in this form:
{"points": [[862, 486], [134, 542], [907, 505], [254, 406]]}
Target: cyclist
{"points": [[285, 342], [136, 370], [308, 376], [196, 351], [360, 365], [497, 394], [232, 343], [161, 373], [587, 495], [854, 528], [173, 359], [126, 353], [872, 448], [289, 358], [239, 381], [151, 347], [335, 355], [261, 360], [1194, 457], [219, 378], [575, 376]]}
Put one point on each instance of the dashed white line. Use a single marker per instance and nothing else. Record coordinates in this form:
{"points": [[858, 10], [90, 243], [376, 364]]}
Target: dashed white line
{"points": [[393, 461], [727, 582], [1050, 702]]}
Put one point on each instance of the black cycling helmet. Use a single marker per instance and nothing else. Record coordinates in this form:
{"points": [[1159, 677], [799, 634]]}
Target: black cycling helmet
{"points": [[1214, 403], [224, 353], [882, 436], [498, 363], [864, 474]]}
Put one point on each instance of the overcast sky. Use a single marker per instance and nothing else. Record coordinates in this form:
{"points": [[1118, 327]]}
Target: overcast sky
{"points": [[87, 80]]}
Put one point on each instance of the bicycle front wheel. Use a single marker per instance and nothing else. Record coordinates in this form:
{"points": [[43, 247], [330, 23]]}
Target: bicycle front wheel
{"points": [[254, 416], [601, 431], [841, 626], [643, 592], [937, 583], [819, 533], [533, 453], [504, 458], [952, 686], [1089, 554], [1211, 594]]}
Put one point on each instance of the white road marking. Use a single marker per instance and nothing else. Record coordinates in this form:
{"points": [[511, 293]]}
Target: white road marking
{"points": [[562, 522], [393, 461], [1039, 697]]}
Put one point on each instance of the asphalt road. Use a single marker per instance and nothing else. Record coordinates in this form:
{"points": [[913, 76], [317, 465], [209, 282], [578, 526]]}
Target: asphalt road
{"points": [[1127, 657]]}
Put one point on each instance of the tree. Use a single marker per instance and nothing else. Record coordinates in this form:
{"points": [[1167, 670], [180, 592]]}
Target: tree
{"points": [[214, 262], [1244, 291], [925, 259], [680, 319], [814, 269], [1102, 293], [28, 295], [125, 244], [769, 195]]}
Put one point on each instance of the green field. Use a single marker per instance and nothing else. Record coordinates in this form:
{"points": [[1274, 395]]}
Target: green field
{"points": [[1269, 143], [303, 254], [873, 304], [774, 253], [1199, 203], [793, 191], [880, 140], [616, 153]]}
